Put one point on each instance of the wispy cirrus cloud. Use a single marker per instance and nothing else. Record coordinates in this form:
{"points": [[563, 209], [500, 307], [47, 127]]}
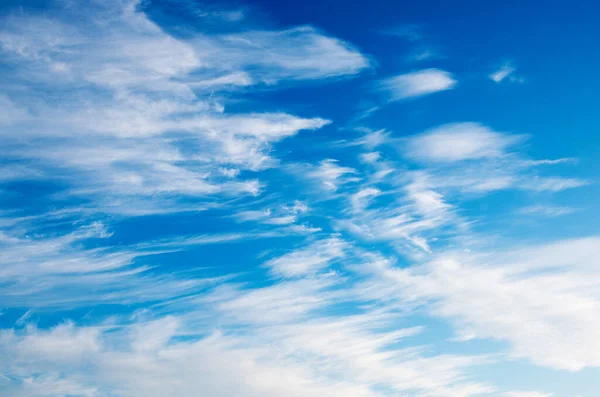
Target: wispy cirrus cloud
{"points": [[330, 346], [506, 73], [127, 79], [280, 214], [287, 329], [59, 271], [150, 197], [310, 260], [474, 158], [316, 56], [417, 84], [547, 281], [328, 174], [546, 210]]}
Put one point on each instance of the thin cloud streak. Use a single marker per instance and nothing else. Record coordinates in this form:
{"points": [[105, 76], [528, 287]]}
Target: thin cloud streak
{"points": [[417, 84]]}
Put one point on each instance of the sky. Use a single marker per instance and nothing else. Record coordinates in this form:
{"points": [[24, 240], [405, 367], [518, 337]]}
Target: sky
{"points": [[299, 199]]}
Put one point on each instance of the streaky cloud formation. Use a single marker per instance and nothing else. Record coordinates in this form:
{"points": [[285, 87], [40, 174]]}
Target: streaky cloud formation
{"points": [[214, 200], [552, 284]]}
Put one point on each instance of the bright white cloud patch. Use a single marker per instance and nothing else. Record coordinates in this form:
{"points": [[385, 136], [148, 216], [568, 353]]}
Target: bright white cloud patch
{"points": [[285, 359], [541, 300], [457, 142], [502, 73], [129, 84], [416, 84]]}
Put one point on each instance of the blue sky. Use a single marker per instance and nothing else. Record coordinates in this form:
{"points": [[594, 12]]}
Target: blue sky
{"points": [[299, 199]]}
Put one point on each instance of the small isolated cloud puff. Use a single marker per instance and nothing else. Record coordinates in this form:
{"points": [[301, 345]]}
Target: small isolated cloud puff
{"points": [[416, 84], [506, 72], [458, 142]]}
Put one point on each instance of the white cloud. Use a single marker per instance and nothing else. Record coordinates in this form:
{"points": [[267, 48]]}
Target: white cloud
{"points": [[265, 217], [412, 212], [361, 199], [327, 357], [265, 127], [229, 172], [235, 79], [372, 139], [298, 207], [553, 184], [41, 271], [281, 214], [546, 210], [457, 142], [506, 72], [309, 260], [331, 175], [539, 299], [473, 159], [427, 201], [253, 215], [416, 84], [130, 84], [274, 340], [370, 157], [281, 220], [564, 160], [139, 123], [315, 55], [482, 177], [502, 73]]}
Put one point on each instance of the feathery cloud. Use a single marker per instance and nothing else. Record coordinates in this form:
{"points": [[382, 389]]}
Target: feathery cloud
{"points": [[417, 84]]}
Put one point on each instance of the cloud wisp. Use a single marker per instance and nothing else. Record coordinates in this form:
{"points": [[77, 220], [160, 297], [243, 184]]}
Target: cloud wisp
{"points": [[132, 121], [506, 73], [417, 84]]}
